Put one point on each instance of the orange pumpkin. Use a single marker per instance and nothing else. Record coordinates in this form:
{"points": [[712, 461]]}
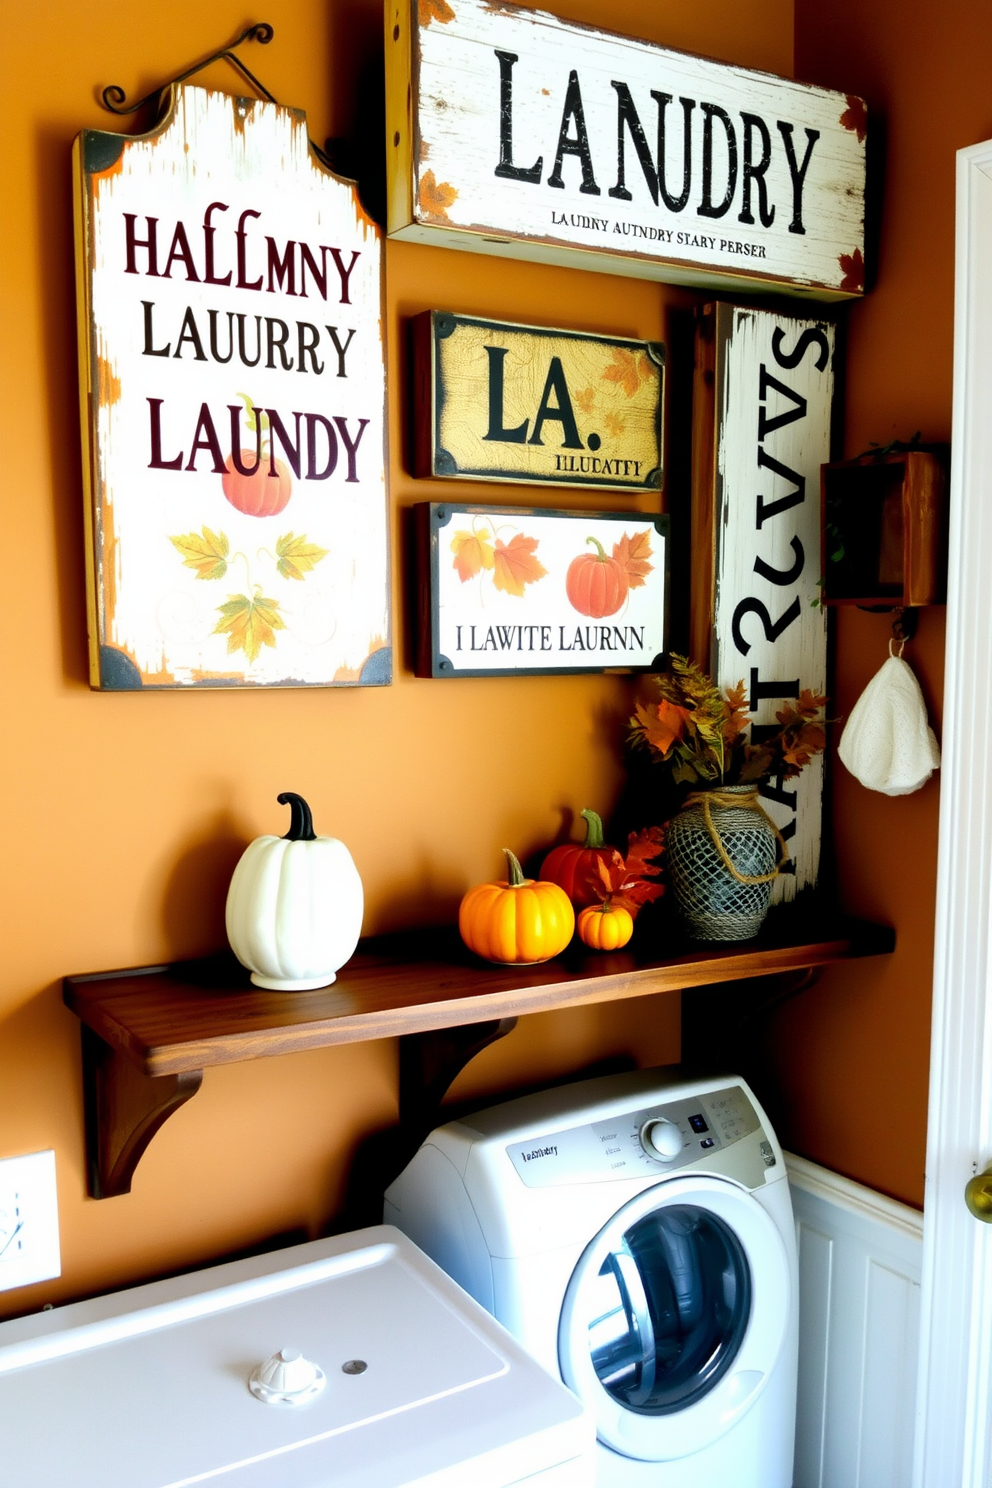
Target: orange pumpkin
{"points": [[264, 491], [596, 584], [517, 920], [574, 867], [605, 927]]}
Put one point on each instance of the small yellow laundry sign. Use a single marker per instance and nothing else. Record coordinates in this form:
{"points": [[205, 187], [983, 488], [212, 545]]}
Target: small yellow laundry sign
{"points": [[525, 403]]}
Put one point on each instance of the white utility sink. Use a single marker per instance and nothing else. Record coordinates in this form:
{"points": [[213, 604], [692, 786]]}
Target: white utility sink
{"points": [[153, 1387]]}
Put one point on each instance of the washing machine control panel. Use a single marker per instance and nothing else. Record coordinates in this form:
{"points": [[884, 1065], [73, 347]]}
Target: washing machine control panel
{"points": [[655, 1139]]}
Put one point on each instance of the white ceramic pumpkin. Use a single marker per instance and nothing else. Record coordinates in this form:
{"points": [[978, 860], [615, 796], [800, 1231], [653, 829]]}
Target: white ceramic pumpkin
{"points": [[295, 905]]}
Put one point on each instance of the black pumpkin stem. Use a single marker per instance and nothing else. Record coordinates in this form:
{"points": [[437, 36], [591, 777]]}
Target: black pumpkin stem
{"points": [[301, 823]]}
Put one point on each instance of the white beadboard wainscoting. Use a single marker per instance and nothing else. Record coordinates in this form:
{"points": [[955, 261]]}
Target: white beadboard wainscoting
{"points": [[860, 1257]]}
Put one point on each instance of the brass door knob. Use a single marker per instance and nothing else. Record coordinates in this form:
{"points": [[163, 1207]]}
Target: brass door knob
{"points": [[978, 1195]]}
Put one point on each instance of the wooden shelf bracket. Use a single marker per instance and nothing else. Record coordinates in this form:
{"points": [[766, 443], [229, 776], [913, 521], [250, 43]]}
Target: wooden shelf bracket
{"points": [[124, 1109], [430, 1063]]}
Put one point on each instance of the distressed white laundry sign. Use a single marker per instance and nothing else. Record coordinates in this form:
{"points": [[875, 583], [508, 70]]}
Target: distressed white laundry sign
{"points": [[513, 132], [230, 311], [773, 393]]}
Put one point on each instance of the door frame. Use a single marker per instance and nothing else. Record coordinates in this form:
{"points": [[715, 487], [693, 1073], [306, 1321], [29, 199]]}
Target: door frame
{"points": [[954, 1399]]}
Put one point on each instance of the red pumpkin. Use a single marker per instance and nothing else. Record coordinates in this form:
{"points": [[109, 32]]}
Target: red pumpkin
{"points": [[573, 867], [596, 584], [261, 494]]}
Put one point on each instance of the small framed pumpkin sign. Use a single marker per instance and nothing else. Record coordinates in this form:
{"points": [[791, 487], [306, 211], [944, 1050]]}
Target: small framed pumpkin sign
{"points": [[524, 592]]}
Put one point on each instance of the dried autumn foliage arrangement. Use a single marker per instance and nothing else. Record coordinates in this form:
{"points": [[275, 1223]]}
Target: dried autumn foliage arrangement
{"points": [[702, 732], [624, 882]]}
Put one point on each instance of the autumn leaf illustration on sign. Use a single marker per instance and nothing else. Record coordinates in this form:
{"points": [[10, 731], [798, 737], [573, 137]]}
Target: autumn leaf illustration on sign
{"points": [[512, 564], [434, 10], [515, 565], [205, 552], [473, 552], [628, 369], [296, 556], [249, 622], [435, 197], [855, 117], [853, 265], [632, 554]]}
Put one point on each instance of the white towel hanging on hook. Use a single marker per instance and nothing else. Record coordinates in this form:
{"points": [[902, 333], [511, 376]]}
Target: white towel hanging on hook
{"points": [[887, 743]]}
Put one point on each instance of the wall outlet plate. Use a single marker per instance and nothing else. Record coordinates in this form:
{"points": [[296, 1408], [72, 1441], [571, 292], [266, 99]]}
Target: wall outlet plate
{"points": [[29, 1220]]}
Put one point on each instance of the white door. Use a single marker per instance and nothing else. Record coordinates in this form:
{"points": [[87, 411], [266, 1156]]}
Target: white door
{"points": [[954, 1409]]}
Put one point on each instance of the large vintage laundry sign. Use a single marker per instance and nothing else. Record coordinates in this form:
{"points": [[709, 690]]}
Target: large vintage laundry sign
{"points": [[762, 410], [495, 401], [513, 132], [232, 384]]}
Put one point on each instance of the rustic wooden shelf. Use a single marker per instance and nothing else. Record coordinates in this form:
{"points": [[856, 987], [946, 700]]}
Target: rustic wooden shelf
{"points": [[149, 1032]]}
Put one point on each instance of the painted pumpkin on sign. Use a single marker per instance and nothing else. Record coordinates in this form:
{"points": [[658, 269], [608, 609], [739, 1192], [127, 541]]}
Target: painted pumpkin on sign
{"points": [[295, 905], [574, 868], [260, 492], [596, 584], [518, 920]]}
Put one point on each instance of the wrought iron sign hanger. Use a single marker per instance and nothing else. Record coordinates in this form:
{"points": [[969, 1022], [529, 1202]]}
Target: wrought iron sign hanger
{"points": [[114, 96]]}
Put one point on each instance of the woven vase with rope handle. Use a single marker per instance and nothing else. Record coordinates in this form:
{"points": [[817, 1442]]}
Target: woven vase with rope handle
{"points": [[724, 852]]}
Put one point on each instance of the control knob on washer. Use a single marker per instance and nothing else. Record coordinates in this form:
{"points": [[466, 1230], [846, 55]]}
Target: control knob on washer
{"points": [[661, 1139]]}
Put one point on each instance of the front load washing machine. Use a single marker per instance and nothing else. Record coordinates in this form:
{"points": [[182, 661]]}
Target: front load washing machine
{"points": [[634, 1232]]}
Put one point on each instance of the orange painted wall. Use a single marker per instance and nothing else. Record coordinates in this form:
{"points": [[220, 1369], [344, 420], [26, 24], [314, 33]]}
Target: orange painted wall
{"points": [[124, 814], [849, 1064]]}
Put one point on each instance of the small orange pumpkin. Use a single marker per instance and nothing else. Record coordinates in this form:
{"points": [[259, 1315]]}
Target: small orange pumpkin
{"points": [[518, 920], [574, 867], [605, 927]]}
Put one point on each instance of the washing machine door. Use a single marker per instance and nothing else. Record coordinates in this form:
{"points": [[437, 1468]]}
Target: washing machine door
{"points": [[675, 1317]]}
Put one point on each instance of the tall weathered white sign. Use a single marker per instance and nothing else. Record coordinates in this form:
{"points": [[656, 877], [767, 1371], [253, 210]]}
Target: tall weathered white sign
{"points": [[761, 436], [232, 384], [513, 132]]}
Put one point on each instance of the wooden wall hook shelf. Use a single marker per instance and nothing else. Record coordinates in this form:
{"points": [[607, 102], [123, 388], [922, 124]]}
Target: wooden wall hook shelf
{"points": [[884, 520], [150, 1032]]}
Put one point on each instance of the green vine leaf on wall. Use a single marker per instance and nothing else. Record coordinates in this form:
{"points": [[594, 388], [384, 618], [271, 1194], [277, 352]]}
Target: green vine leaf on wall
{"points": [[205, 552]]}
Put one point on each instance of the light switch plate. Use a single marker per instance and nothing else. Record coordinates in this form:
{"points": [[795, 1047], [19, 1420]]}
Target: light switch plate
{"points": [[29, 1220]]}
